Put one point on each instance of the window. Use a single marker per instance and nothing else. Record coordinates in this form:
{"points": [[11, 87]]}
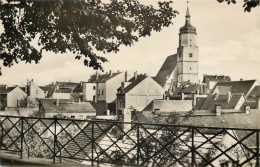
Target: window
{"points": [[72, 116], [180, 55], [102, 92], [190, 68], [120, 104], [190, 45], [94, 98], [190, 55], [94, 87], [99, 92]]}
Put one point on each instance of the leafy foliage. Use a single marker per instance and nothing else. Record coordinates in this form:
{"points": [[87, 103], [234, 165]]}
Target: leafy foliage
{"points": [[248, 4], [81, 27]]}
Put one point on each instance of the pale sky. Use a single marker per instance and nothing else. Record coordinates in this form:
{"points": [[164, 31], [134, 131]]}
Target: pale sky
{"points": [[228, 40]]}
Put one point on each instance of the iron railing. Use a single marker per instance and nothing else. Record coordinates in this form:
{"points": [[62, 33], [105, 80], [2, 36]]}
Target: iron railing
{"points": [[138, 144]]}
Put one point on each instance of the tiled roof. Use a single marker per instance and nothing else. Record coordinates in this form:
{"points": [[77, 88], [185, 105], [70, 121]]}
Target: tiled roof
{"points": [[63, 90], [166, 69], [65, 106], [140, 117], [199, 103], [4, 90], [217, 78], [190, 89], [238, 86], [103, 77], [211, 101], [169, 105], [49, 89], [222, 90], [76, 96], [67, 84], [78, 89], [138, 80], [229, 120], [100, 106]]}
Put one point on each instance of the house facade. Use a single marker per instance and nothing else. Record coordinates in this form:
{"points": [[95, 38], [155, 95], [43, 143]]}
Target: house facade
{"points": [[12, 97], [103, 87], [139, 93]]}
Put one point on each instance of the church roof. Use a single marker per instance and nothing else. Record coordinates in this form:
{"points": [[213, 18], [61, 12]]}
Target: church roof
{"points": [[188, 28], [166, 69]]}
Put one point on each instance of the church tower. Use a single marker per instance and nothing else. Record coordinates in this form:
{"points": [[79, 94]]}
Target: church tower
{"points": [[187, 53]]}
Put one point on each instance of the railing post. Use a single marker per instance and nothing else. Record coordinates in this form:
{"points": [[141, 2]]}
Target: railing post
{"points": [[192, 148], [138, 146], [92, 144], [22, 137], [257, 149], [55, 139], [2, 133]]}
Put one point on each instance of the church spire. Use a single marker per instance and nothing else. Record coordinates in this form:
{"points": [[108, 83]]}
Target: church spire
{"points": [[188, 12], [188, 28]]}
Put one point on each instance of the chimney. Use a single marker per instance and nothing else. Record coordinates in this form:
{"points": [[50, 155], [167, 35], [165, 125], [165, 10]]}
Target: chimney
{"points": [[216, 76], [224, 76], [135, 75], [216, 95], [182, 96], [126, 76], [81, 83], [247, 109], [194, 100], [79, 100], [108, 112], [110, 72], [241, 79], [218, 110], [228, 97], [122, 85], [57, 102]]}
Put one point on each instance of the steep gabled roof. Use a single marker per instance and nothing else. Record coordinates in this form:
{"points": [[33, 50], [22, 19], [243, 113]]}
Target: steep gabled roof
{"points": [[103, 77], [100, 106], [166, 69], [135, 82], [190, 89], [216, 78], [238, 86], [4, 90], [169, 105], [49, 89], [211, 102]]}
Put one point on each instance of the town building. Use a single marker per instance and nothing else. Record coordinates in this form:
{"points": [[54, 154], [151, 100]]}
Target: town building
{"points": [[12, 97], [103, 87], [138, 93], [211, 80]]}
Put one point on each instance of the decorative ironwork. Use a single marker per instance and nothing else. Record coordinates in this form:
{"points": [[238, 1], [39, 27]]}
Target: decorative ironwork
{"points": [[138, 144]]}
